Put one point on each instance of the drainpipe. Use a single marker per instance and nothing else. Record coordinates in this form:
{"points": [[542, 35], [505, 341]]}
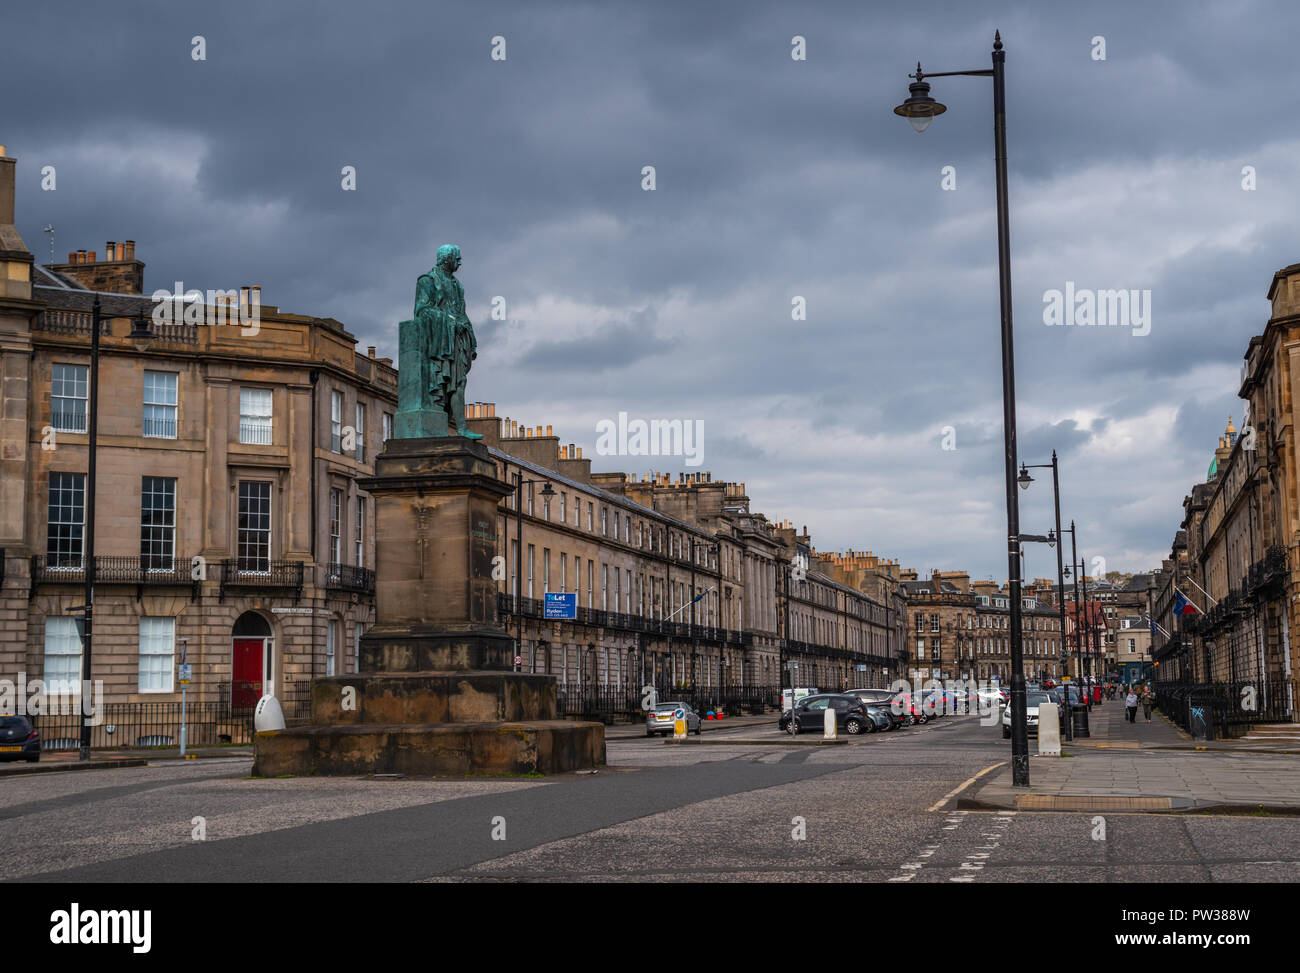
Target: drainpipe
{"points": [[311, 458]]}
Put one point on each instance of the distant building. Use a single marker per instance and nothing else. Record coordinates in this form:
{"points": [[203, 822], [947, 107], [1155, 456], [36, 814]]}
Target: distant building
{"points": [[961, 630]]}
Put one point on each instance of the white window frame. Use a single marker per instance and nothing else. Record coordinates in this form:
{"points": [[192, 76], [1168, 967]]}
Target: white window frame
{"points": [[61, 383], [256, 427], [336, 421], [62, 671], [163, 399], [157, 654]]}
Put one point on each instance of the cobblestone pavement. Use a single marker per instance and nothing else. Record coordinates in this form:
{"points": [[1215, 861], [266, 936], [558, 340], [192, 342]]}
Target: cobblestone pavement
{"points": [[881, 808]]}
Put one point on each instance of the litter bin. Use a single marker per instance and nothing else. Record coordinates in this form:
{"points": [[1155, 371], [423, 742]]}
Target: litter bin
{"points": [[1080, 720]]}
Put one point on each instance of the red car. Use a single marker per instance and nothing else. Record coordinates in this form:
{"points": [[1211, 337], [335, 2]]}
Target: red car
{"points": [[903, 705]]}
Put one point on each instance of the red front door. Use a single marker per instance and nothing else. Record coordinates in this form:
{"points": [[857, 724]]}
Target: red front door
{"points": [[246, 672]]}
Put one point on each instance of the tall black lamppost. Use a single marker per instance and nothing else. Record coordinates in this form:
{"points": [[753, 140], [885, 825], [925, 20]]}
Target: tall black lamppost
{"points": [[140, 334], [715, 548], [1086, 658], [88, 608], [1024, 480], [920, 109], [1078, 644], [548, 492]]}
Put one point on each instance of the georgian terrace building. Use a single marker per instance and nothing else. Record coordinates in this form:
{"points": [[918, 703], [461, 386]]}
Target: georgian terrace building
{"points": [[678, 583], [1235, 553], [961, 630], [227, 511]]}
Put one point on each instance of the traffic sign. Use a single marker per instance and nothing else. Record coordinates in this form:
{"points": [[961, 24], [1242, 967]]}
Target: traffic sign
{"points": [[561, 605], [186, 672], [519, 660]]}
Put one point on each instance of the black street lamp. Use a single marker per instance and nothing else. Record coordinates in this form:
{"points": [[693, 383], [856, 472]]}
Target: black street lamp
{"points": [[920, 109], [1024, 480], [548, 492], [715, 548]]}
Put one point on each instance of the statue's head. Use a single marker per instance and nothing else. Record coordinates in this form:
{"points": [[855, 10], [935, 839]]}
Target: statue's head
{"points": [[449, 257]]}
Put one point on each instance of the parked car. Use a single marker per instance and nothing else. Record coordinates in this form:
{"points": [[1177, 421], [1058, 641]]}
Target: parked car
{"points": [[872, 695], [940, 702], [884, 716], [19, 739], [810, 713], [1073, 691], [906, 706], [660, 719], [1032, 702], [882, 699]]}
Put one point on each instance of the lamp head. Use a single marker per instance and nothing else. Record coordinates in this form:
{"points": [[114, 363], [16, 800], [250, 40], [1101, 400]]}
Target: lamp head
{"points": [[919, 109]]}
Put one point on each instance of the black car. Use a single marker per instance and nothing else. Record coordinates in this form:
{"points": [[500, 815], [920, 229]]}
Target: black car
{"points": [[884, 698], [19, 739], [810, 714]]}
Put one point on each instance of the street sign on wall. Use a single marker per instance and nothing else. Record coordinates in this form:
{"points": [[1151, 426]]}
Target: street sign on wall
{"points": [[561, 605]]}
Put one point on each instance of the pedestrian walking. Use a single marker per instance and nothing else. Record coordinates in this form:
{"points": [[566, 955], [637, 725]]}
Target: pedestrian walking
{"points": [[1131, 707], [1148, 701]]}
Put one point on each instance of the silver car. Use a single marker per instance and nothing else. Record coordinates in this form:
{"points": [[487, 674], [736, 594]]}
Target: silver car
{"points": [[660, 719]]}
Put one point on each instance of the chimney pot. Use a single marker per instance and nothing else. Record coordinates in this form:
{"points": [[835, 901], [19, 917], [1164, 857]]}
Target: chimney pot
{"points": [[370, 351], [579, 452], [548, 430], [90, 256], [72, 256], [110, 250], [81, 256], [130, 249]]}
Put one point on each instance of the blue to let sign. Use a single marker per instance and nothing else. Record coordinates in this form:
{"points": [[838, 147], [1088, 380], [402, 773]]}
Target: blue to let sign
{"points": [[561, 604]]}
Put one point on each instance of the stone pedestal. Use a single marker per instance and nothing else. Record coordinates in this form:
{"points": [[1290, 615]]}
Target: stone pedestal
{"points": [[436, 693]]}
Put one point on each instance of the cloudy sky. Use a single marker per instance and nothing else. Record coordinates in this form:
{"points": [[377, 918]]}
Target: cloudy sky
{"points": [[775, 178]]}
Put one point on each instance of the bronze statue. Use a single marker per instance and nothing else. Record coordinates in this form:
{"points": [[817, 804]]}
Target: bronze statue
{"points": [[435, 350]]}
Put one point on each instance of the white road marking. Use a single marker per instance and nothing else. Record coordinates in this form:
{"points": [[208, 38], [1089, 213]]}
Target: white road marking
{"points": [[965, 784]]}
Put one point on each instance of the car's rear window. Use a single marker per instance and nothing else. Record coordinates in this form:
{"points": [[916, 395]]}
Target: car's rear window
{"points": [[13, 723], [1033, 699]]}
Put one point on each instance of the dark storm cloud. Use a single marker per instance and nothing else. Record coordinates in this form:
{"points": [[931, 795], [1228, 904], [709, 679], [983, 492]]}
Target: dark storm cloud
{"points": [[776, 179], [612, 346]]}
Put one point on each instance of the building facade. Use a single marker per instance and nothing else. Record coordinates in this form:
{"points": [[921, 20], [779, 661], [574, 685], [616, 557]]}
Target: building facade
{"points": [[962, 630], [227, 519], [1234, 557], [229, 528]]}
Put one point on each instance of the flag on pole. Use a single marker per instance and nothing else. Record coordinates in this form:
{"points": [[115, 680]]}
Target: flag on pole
{"points": [[1183, 605]]}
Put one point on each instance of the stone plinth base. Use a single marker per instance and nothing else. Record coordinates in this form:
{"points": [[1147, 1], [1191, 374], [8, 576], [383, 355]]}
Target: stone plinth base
{"points": [[432, 697], [410, 650], [427, 750]]}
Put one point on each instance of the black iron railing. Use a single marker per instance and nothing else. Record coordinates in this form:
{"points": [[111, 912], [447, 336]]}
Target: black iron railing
{"points": [[347, 577], [113, 570], [1209, 711], [146, 725], [283, 575]]}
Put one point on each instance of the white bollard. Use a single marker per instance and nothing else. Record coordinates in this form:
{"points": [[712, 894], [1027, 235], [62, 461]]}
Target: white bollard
{"points": [[1049, 730], [268, 715], [828, 723]]}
